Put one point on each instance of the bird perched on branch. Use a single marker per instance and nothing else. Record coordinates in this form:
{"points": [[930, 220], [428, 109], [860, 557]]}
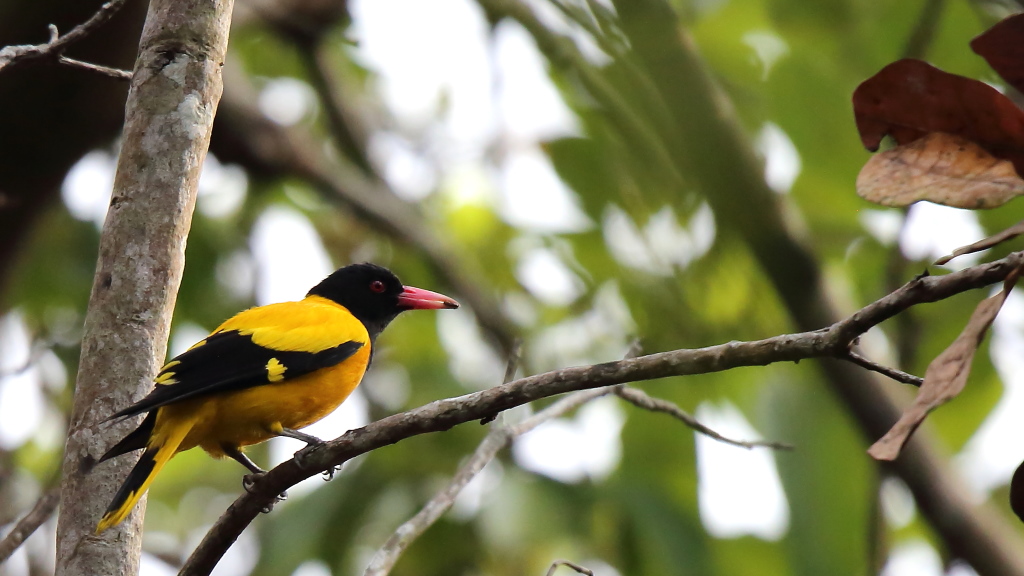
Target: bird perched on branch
{"points": [[266, 372]]}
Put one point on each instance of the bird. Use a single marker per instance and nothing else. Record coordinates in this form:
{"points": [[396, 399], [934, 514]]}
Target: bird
{"points": [[266, 372]]}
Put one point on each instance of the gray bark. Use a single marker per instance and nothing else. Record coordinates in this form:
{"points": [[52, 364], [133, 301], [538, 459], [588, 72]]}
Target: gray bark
{"points": [[168, 117]]}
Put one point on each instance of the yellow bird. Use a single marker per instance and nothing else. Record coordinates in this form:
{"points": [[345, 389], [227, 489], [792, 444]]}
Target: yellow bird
{"points": [[268, 371]]}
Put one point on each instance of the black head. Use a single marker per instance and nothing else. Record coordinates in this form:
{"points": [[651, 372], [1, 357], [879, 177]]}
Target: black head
{"points": [[374, 295]]}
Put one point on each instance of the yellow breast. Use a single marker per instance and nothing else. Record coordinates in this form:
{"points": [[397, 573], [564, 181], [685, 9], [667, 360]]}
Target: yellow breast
{"points": [[247, 417]]}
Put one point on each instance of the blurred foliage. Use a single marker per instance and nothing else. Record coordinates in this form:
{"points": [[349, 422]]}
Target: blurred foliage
{"points": [[646, 267]]}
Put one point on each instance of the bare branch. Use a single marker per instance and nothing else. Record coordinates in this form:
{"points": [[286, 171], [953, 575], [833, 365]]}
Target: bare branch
{"points": [[831, 342], [946, 375], [105, 70], [573, 565], [11, 55], [986, 243], [559, 409], [496, 440], [640, 399], [703, 118], [386, 557], [35, 518], [514, 357], [897, 375]]}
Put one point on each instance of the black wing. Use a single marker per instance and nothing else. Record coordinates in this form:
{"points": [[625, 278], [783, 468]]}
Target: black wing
{"points": [[228, 361]]}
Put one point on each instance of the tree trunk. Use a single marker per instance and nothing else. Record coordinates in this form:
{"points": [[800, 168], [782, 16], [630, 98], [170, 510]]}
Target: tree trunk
{"points": [[168, 118]]}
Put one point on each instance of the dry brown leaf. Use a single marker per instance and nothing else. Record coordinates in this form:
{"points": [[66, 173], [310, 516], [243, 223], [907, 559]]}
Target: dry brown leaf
{"points": [[994, 240], [946, 375], [940, 168], [1003, 49], [909, 99]]}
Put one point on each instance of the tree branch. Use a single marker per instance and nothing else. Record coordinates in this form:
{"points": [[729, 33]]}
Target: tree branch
{"points": [[496, 440], [579, 569], [501, 436], [35, 518], [709, 139], [641, 399], [176, 87], [897, 375], [105, 70], [11, 55], [830, 342]]}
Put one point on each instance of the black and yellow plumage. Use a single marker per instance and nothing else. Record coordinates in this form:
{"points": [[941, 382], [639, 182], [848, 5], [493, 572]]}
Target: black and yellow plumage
{"points": [[268, 371]]}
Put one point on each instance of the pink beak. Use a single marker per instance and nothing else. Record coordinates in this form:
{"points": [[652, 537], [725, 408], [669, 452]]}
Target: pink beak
{"points": [[420, 299]]}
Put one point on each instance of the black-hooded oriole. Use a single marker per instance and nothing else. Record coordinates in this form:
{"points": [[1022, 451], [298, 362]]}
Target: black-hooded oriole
{"points": [[268, 371]]}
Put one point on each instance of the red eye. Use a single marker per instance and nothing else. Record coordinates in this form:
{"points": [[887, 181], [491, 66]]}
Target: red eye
{"points": [[377, 286]]}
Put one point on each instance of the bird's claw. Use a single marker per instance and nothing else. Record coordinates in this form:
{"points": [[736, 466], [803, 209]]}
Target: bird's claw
{"points": [[302, 461], [303, 455], [270, 505], [330, 472], [249, 481]]}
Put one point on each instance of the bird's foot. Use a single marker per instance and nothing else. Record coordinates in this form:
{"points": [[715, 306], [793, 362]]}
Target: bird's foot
{"points": [[249, 481], [330, 472], [302, 460], [302, 456]]}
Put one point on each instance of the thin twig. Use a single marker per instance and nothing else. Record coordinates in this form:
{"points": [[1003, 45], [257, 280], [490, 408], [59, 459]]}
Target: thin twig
{"points": [[11, 55], [497, 439], [442, 415], [641, 399], [566, 563], [386, 557], [559, 409], [984, 244], [897, 375], [105, 70], [514, 357], [35, 518]]}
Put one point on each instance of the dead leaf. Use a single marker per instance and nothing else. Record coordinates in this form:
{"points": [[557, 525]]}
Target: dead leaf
{"points": [[910, 98], [939, 168], [993, 240], [946, 375], [1002, 46]]}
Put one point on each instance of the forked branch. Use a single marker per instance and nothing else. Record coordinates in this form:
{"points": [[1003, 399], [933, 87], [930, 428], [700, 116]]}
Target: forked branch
{"points": [[830, 342], [55, 47]]}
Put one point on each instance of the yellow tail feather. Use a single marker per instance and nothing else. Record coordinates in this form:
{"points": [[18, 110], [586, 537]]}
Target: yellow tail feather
{"points": [[163, 444]]}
